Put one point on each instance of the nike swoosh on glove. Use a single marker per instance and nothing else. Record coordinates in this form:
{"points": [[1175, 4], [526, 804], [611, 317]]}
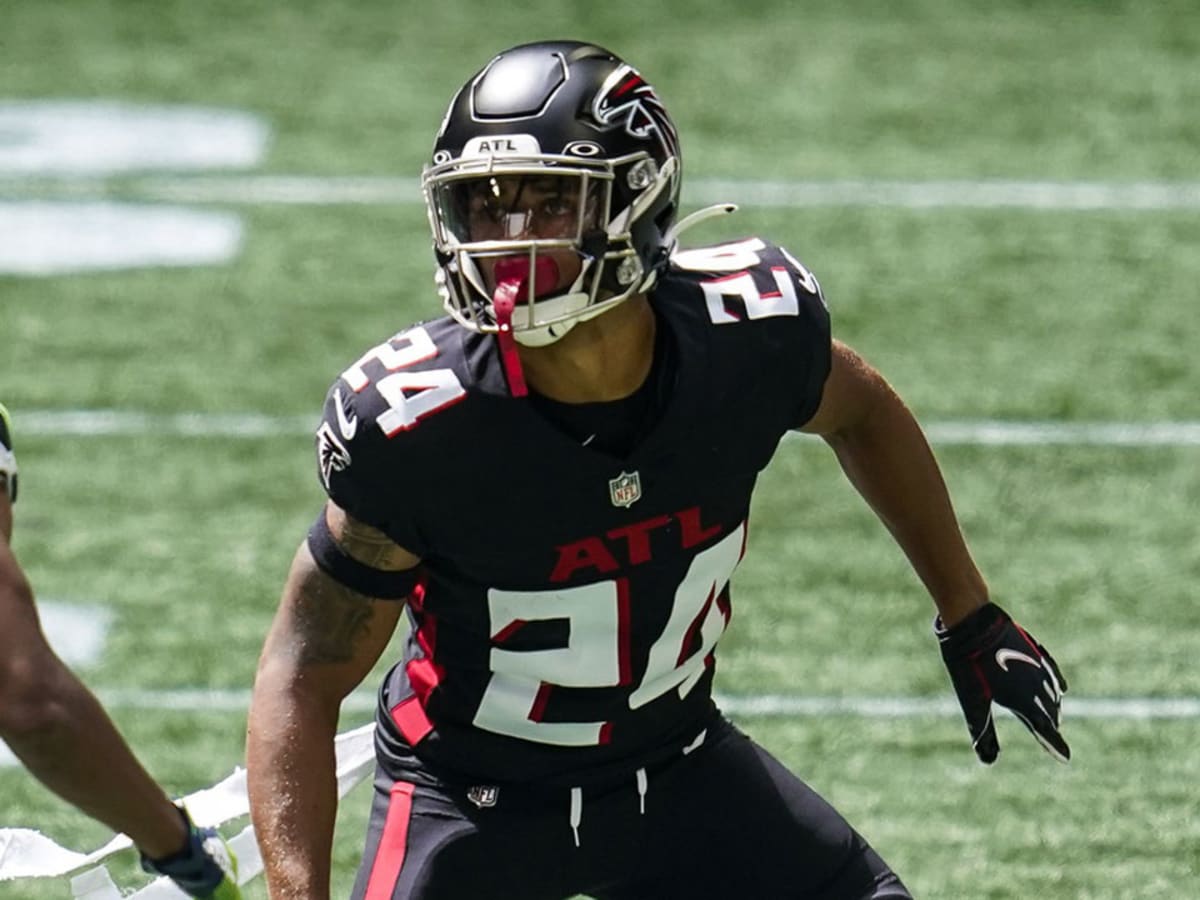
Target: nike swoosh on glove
{"points": [[204, 868], [992, 658]]}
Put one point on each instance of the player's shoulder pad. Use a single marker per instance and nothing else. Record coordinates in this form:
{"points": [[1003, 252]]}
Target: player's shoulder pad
{"points": [[385, 395], [749, 279]]}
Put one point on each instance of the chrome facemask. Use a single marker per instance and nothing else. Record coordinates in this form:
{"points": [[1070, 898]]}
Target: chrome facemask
{"points": [[471, 226]]}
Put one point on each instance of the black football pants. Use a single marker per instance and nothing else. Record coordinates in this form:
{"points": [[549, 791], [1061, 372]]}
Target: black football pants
{"points": [[725, 821]]}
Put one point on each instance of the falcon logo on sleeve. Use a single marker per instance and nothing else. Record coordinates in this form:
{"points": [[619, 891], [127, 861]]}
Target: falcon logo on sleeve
{"points": [[332, 455]]}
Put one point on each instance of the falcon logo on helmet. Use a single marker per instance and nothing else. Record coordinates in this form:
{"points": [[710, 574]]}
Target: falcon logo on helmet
{"points": [[628, 100]]}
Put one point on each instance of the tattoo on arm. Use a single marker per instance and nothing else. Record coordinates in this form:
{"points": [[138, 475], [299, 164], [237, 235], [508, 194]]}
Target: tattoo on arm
{"points": [[368, 545], [335, 624], [331, 619]]}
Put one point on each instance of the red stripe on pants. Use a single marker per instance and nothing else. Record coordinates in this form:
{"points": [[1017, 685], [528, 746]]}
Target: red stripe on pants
{"points": [[410, 718], [389, 857]]}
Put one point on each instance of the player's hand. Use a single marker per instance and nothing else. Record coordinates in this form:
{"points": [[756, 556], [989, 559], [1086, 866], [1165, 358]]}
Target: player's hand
{"points": [[204, 868], [990, 657], [8, 462]]}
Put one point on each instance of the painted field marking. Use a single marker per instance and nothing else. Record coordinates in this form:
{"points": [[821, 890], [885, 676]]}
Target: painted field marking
{"points": [[983, 432], [759, 706], [56, 238], [1077, 196], [773, 706], [318, 190], [60, 141], [77, 632], [94, 138], [119, 423]]}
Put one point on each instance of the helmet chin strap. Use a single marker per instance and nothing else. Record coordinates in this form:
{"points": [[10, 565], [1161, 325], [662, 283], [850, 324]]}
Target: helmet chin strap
{"points": [[569, 309], [546, 334], [515, 279]]}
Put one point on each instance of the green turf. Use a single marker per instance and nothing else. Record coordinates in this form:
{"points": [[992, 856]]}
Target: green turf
{"points": [[920, 88], [1099, 829], [973, 314], [1030, 315]]}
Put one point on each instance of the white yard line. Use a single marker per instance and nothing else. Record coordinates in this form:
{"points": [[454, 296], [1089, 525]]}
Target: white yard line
{"points": [[76, 631], [968, 194], [1079, 196], [762, 705], [777, 706], [1108, 434], [774, 706], [120, 423]]}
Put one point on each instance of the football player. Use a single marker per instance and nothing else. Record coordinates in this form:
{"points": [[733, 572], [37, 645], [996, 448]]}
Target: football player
{"points": [[58, 729], [551, 485]]}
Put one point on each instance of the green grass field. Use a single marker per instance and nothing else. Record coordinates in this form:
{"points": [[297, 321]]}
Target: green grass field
{"points": [[1060, 316]]}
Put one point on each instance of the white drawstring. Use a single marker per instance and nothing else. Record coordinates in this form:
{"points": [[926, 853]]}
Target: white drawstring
{"points": [[643, 788], [576, 811], [696, 743]]}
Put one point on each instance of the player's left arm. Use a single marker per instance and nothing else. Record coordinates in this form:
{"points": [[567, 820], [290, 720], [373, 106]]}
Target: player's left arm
{"points": [[884, 453]]}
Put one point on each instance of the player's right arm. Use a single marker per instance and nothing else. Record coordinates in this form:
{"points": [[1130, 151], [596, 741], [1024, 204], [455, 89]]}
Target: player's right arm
{"points": [[324, 640]]}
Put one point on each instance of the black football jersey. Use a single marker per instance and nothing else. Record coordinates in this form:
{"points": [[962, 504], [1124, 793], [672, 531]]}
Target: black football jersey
{"points": [[572, 600]]}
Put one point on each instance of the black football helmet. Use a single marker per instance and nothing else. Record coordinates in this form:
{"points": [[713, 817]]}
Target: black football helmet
{"points": [[577, 114]]}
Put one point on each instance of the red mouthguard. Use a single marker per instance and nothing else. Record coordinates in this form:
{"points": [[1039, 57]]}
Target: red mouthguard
{"points": [[512, 285], [512, 277]]}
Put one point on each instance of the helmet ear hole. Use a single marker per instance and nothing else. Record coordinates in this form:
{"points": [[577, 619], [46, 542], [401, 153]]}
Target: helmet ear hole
{"points": [[628, 271], [641, 175]]}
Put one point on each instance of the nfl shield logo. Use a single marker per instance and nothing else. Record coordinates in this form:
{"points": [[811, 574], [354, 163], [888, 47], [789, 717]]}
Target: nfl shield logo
{"points": [[625, 489], [484, 795]]}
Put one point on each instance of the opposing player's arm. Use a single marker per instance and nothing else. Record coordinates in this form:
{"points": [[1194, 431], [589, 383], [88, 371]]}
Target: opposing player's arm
{"points": [[62, 734], [885, 455], [324, 640]]}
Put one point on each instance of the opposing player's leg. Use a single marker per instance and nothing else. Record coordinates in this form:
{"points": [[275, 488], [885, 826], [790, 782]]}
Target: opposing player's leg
{"points": [[731, 821]]}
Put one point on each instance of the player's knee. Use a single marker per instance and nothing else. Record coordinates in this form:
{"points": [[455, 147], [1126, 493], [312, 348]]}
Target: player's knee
{"points": [[865, 877], [888, 887]]}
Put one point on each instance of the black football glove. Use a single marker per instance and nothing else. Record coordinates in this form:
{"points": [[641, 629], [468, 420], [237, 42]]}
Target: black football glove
{"points": [[990, 657], [204, 868], [8, 462]]}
